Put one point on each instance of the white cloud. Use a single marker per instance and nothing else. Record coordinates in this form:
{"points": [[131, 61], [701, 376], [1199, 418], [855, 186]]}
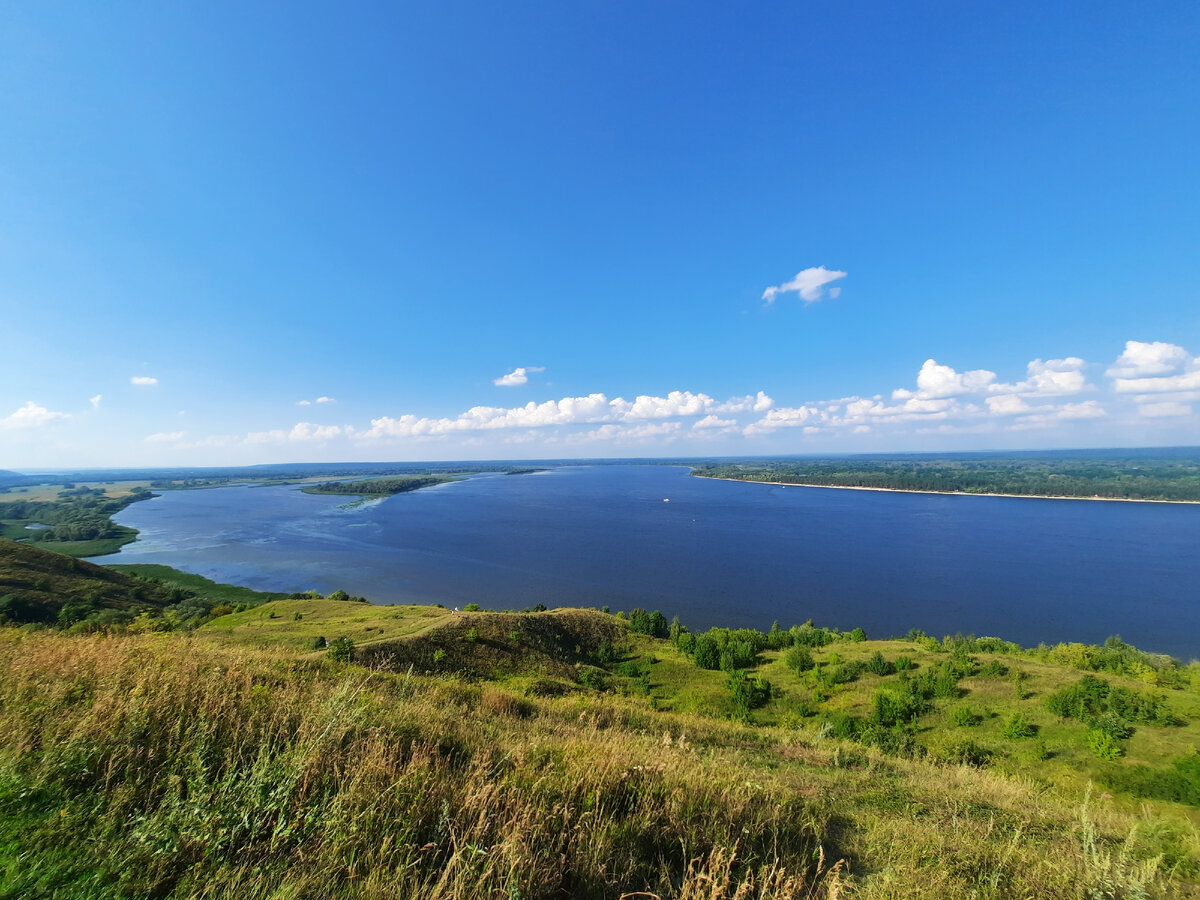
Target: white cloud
{"points": [[712, 421], [592, 409], [307, 431], [809, 284], [31, 416], [326, 400], [758, 403], [304, 403], [1089, 409], [143, 380], [1146, 360], [1155, 368], [934, 381], [517, 376], [674, 405], [627, 432], [1007, 405], [1164, 410], [164, 437], [783, 417], [95, 401], [1052, 378]]}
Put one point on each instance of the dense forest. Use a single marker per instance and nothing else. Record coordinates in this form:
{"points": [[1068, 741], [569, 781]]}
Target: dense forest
{"points": [[1135, 476]]}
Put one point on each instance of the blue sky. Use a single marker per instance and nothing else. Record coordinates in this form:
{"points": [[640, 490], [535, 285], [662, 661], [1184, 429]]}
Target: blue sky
{"points": [[241, 233]]}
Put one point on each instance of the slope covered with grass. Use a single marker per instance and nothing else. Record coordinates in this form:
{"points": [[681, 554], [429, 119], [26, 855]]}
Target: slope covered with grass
{"points": [[176, 766], [37, 585]]}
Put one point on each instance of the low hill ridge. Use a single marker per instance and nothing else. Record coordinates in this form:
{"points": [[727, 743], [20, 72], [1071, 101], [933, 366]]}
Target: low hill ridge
{"points": [[35, 586]]}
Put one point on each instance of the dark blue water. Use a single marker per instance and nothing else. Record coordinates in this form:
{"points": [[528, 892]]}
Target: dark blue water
{"points": [[718, 553]]}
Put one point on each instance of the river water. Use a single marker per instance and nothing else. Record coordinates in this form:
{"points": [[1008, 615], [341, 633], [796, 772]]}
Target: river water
{"points": [[711, 552]]}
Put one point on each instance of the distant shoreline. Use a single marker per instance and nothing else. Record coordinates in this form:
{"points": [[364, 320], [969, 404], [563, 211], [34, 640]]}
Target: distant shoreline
{"points": [[856, 487]]}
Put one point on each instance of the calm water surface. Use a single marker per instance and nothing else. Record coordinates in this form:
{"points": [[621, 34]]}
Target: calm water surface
{"points": [[718, 553]]}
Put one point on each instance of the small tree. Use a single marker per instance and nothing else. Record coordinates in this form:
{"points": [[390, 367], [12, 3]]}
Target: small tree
{"points": [[342, 649]]}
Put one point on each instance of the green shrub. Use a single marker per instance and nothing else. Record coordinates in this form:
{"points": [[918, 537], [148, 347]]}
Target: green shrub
{"points": [[472, 607], [808, 635], [798, 658], [594, 678], [994, 669], [842, 725], [342, 649], [904, 664], [1017, 727], [1113, 725], [858, 635], [894, 708], [1178, 784], [963, 717], [319, 643], [967, 753], [438, 656], [879, 666], [653, 624], [472, 635], [1103, 745]]}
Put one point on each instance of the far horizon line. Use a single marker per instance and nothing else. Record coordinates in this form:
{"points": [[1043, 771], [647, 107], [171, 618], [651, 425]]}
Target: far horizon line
{"points": [[27, 471]]}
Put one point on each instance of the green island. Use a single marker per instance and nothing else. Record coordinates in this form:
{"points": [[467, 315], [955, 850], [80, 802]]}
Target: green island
{"points": [[164, 736], [379, 487], [1156, 475]]}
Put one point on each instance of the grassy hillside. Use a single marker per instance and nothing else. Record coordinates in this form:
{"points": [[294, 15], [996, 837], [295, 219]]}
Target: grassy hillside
{"points": [[169, 765], [37, 585], [197, 585], [322, 748]]}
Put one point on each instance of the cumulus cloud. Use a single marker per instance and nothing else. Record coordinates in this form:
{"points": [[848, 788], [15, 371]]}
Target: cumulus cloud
{"points": [[326, 400], [304, 403], [517, 376], [613, 432], [783, 417], [31, 416], [936, 381], [1155, 368], [808, 283], [1145, 360], [143, 380], [95, 401], [1007, 405], [758, 403], [1051, 378], [592, 409]]}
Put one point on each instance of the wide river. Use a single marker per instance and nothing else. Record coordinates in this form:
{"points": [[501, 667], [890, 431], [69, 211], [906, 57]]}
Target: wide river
{"points": [[718, 553]]}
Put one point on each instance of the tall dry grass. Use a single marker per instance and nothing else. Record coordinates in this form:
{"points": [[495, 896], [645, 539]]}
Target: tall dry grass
{"points": [[182, 769], [163, 766]]}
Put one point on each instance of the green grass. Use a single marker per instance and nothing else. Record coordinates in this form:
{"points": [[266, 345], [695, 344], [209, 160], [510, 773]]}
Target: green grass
{"points": [[276, 623], [198, 584], [98, 547], [162, 765]]}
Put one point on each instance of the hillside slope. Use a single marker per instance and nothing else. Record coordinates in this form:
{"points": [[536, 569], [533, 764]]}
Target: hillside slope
{"points": [[36, 585], [166, 766]]}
